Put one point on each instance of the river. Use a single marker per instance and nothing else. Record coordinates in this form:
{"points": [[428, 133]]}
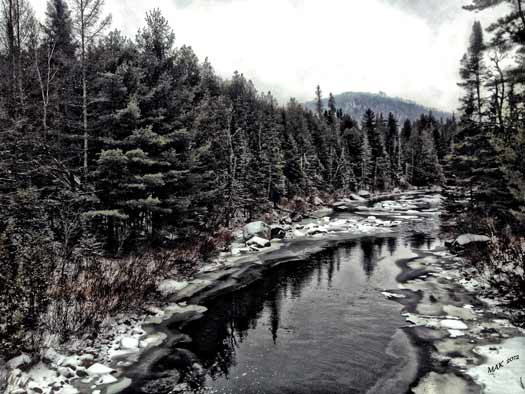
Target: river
{"points": [[319, 325]]}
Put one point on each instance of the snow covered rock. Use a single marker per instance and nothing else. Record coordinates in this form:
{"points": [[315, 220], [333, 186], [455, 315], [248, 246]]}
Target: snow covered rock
{"points": [[298, 234], [99, 369], [357, 197], [21, 362], [317, 230], [277, 231], [129, 343], [453, 324], [258, 242], [318, 201], [256, 229], [363, 193], [170, 286], [466, 239]]}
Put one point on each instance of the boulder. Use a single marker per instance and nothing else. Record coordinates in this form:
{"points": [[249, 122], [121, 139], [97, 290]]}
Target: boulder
{"points": [[258, 242], [345, 205], [298, 234], [466, 239], [21, 362], [129, 343], [99, 369], [363, 193], [321, 213], [256, 229], [318, 201], [357, 197], [278, 232], [170, 286]]}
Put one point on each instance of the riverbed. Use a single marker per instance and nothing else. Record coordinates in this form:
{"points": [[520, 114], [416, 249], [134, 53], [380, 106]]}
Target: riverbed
{"points": [[315, 325]]}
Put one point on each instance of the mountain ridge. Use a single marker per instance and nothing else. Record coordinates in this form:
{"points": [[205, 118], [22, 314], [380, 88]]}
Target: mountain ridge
{"points": [[356, 103]]}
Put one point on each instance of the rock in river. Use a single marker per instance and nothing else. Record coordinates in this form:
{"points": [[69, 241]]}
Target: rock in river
{"points": [[258, 242], [467, 239], [256, 229]]}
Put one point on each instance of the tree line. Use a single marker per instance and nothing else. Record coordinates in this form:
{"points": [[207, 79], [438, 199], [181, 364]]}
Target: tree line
{"points": [[111, 145], [485, 172], [145, 138]]}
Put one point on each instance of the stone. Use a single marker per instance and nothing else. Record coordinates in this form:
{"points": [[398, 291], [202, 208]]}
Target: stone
{"points": [[357, 197], [170, 286], [21, 362], [298, 234], [277, 231], [320, 213], [256, 229], [129, 343], [258, 242], [363, 193], [318, 201], [453, 324], [466, 239], [66, 372], [99, 369]]}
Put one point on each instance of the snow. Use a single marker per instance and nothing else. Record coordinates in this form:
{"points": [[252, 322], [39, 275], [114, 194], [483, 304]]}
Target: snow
{"points": [[509, 376], [392, 295], [99, 369], [453, 324], [106, 379], [466, 239], [170, 286], [258, 242], [456, 333], [129, 343], [19, 362]]}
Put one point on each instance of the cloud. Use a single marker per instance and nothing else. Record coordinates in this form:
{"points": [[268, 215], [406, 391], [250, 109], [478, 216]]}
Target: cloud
{"points": [[407, 48]]}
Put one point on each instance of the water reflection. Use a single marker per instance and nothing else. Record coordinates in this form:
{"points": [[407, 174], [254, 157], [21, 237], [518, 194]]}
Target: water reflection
{"points": [[218, 337]]}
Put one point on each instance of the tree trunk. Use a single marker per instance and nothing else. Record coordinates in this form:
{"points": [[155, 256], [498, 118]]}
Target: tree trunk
{"points": [[84, 89]]}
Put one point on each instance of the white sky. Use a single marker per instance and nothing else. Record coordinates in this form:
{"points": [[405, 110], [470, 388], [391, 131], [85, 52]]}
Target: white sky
{"points": [[406, 48]]}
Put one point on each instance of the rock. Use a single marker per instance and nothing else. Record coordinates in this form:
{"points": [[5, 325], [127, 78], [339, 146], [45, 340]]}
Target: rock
{"points": [[72, 362], [170, 286], [277, 231], [66, 372], [129, 343], [99, 369], [106, 379], [297, 217], [466, 239], [453, 324], [237, 235], [256, 229], [322, 213], [298, 234], [363, 193], [33, 386], [21, 362], [317, 230], [357, 197], [50, 356], [318, 201], [258, 242]]}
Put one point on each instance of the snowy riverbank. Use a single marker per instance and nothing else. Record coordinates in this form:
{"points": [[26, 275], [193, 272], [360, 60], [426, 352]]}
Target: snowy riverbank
{"points": [[438, 316]]}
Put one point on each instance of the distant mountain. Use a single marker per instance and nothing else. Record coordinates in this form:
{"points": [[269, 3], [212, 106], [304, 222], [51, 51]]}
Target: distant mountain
{"points": [[356, 103]]}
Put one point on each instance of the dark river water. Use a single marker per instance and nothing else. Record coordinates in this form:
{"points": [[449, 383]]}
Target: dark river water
{"points": [[316, 326]]}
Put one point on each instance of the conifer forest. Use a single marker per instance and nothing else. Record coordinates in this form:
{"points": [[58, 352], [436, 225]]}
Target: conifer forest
{"points": [[135, 178]]}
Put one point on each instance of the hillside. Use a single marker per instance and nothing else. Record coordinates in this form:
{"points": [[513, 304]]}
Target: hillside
{"points": [[356, 103]]}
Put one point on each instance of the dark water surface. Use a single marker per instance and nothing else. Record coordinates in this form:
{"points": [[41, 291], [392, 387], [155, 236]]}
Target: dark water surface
{"points": [[317, 326]]}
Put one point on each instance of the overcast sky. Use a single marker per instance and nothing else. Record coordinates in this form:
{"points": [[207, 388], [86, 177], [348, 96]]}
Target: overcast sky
{"points": [[406, 48]]}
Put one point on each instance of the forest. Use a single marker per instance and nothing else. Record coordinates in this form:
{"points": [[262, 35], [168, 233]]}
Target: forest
{"points": [[125, 158]]}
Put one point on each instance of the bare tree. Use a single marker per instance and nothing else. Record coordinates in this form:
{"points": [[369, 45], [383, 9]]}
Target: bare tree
{"points": [[88, 24], [45, 75], [16, 24]]}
